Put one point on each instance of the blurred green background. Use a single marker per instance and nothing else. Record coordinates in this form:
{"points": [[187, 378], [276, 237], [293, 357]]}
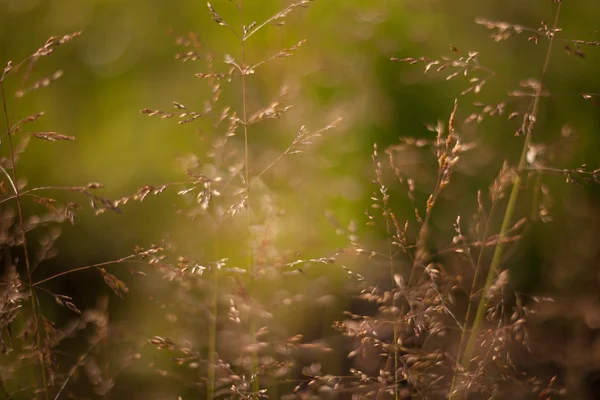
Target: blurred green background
{"points": [[124, 62]]}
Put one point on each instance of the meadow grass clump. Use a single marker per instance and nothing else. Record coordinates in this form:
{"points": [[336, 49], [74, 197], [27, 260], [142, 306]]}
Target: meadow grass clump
{"points": [[32, 343], [244, 351], [451, 321]]}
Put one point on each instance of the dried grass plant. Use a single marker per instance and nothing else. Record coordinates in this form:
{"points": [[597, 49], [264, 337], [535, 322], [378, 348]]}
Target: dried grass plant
{"points": [[29, 337], [440, 330], [243, 354]]}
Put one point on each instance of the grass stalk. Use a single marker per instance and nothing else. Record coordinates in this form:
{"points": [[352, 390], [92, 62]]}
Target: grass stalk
{"points": [[394, 319], [212, 327], [387, 215], [250, 260]]}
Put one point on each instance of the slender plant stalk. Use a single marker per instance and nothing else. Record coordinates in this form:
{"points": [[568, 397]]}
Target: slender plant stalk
{"points": [[506, 222], [34, 310], [390, 256], [75, 367], [243, 37], [212, 327], [468, 316]]}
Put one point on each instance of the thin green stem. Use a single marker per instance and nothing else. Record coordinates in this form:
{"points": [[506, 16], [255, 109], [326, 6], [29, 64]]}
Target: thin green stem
{"points": [[102, 264], [255, 381], [390, 252], [75, 367], [468, 316], [506, 222], [212, 328]]}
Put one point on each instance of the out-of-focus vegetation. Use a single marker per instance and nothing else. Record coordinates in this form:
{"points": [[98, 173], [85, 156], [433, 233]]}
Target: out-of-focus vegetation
{"points": [[285, 248]]}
